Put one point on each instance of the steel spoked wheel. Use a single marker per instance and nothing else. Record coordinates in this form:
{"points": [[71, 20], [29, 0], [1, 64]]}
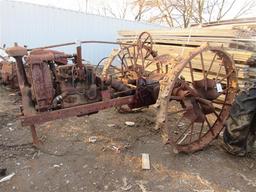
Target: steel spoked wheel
{"points": [[145, 45], [133, 61], [199, 96]]}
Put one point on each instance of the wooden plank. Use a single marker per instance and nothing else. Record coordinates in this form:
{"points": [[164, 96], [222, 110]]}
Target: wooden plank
{"points": [[201, 32], [145, 162], [238, 39]]}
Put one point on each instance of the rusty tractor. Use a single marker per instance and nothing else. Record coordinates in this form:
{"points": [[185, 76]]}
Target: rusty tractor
{"points": [[8, 74], [192, 95]]}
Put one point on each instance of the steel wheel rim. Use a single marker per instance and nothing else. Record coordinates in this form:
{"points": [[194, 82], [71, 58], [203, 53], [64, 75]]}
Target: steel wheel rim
{"points": [[206, 138]]}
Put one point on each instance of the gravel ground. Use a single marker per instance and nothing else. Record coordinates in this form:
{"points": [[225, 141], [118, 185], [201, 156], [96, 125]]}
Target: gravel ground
{"points": [[68, 161]]}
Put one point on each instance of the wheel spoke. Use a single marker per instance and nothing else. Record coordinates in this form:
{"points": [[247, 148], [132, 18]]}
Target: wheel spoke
{"points": [[122, 64], [218, 117], [148, 53], [145, 41], [211, 65], [201, 130], [225, 77], [149, 64], [217, 76], [202, 62], [125, 61], [122, 59], [135, 57], [131, 58], [191, 71], [209, 125], [142, 61]]}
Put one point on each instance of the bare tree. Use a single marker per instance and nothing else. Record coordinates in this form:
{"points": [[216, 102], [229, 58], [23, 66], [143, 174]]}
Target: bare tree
{"points": [[218, 9], [184, 12], [141, 7], [246, 8], [112, 11], [174, 13]]}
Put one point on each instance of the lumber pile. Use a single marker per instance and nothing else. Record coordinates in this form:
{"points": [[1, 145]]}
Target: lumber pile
{"points": [[245, 22], [238, 37]]}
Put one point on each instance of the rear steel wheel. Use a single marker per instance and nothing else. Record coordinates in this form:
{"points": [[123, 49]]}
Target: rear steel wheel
{"points": [[196, 101]]}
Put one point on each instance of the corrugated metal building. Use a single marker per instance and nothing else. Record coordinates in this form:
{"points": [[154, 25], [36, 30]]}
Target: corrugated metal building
{"points": [[36, 25]]}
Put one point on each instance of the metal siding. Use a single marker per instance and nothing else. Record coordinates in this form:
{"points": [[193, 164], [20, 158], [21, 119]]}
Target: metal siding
{"points": [[1, 22], [35, 25]]}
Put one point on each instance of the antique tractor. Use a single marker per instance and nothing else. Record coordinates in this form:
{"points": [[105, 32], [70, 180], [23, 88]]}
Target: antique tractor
{"points": [[192, 95]]}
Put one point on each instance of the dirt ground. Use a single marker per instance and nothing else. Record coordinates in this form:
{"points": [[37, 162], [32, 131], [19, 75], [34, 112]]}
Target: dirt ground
{"points": [[69, 162]]}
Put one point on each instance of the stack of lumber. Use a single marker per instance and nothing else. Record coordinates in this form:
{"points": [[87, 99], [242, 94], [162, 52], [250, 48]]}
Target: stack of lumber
{"points": [[237, 37], [229, 23]]}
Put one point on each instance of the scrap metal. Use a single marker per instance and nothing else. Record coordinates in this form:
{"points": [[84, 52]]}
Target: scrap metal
{"points": [[57, 85]]}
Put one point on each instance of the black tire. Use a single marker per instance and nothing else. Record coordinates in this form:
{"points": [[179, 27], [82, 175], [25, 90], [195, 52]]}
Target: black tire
{"points": [[240, 128]]}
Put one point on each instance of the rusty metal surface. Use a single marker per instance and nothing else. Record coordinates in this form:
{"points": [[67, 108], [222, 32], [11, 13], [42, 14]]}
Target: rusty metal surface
{"points": [[39, 55], [8, 74], [133, 61], [41, 86], [74, 111], [197, 101], [57, 85]]}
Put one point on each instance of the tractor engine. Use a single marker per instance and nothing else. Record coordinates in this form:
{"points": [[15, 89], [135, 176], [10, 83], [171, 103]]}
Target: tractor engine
{"points": [[75, 85], [51, 80], [57, 84]]}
